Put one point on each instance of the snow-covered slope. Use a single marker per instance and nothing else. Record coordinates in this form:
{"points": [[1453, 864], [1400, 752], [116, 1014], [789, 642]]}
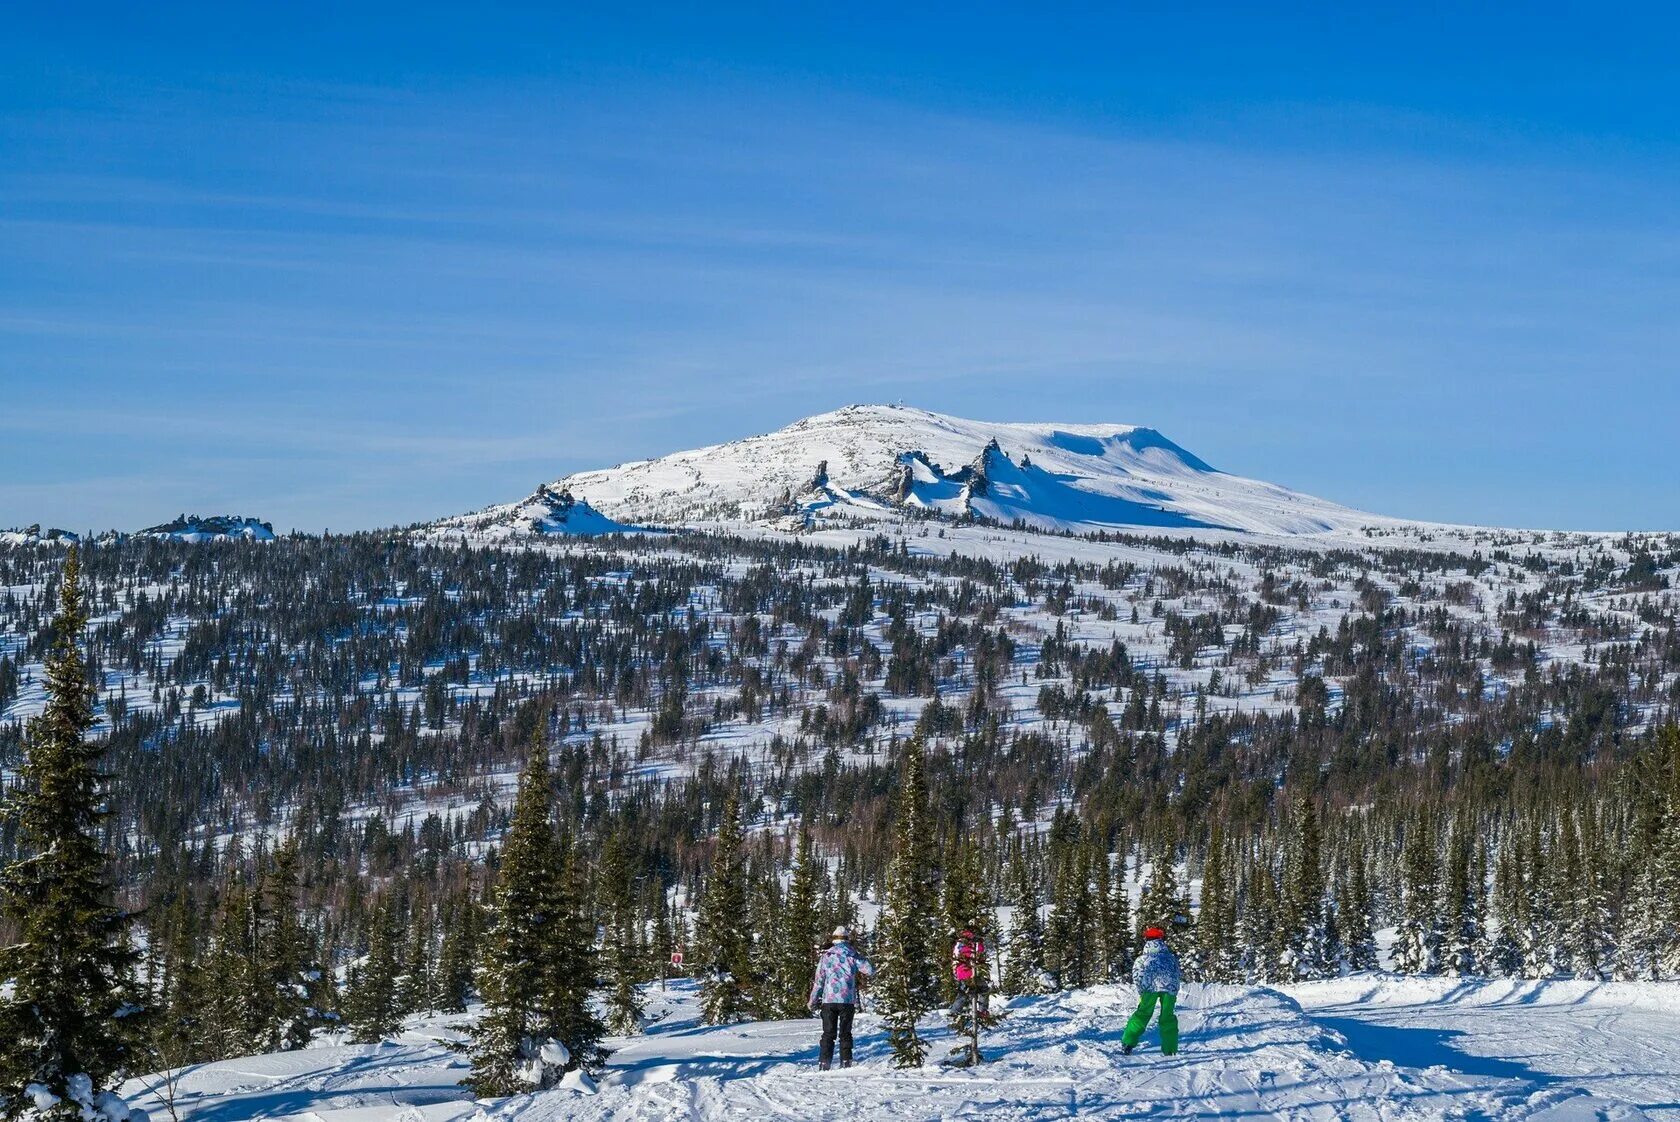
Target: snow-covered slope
{"points": [[1246, 1053], [550, 510], [876, 461], [217, 527]]}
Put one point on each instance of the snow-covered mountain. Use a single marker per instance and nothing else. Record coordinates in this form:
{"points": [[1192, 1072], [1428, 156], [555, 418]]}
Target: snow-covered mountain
{"points": [[216, 527], [553, 509], [34, 535], [882, 461]]}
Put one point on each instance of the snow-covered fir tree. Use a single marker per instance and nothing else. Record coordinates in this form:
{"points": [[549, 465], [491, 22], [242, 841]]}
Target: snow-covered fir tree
{"points": [[1023, 960], [65, 1011], [724, 932], [908, 984], [620, 961], [536, 1023]]}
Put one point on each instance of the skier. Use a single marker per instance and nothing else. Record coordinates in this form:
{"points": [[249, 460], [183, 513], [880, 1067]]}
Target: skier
{"points": [[966, 958], [1156, 976], [834, 993]]}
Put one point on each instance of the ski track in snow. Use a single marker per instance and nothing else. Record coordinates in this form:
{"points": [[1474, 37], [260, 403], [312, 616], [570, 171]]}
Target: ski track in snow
{"points": [[1380, 1048]]}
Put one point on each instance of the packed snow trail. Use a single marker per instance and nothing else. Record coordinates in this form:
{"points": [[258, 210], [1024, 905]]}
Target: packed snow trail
{"points": [[1247, 1052], [1619, 1040]]}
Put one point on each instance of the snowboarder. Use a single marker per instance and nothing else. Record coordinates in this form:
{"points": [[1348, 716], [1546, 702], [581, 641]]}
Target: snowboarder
{"points": [[967, 956], [1156, 976], [834, 994]]}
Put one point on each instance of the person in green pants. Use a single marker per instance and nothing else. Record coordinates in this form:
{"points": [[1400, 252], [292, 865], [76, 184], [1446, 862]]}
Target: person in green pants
{"points": [[1156, 976]]}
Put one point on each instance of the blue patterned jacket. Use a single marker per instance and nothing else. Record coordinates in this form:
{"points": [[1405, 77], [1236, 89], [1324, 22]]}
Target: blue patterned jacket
{"points": [[1156, 969], [837, 975]]}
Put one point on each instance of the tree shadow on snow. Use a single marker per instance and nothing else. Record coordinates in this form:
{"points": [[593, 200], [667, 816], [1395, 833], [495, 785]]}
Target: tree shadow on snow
{"points": [[1425, 1047]]}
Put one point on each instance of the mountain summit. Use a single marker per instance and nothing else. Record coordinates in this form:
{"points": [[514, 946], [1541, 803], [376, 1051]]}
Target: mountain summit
{"points": [[885, 461]]}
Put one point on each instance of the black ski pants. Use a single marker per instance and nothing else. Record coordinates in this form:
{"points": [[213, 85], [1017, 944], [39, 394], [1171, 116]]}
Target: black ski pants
{"points": [[836, 1024]]}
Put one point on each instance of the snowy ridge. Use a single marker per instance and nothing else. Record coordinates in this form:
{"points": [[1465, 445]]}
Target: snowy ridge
{"points": [[35, 535], [218, 527], [880, 461], [552, 509], [1246, 1052]]}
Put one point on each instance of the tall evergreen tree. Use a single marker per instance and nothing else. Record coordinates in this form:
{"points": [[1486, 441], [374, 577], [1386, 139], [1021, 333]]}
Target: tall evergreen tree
{"points": [[620, 961], [1417, 945], [908, 984], [1461, 903], [800, 930], [518, 1043], [294, 978], [1023, 963], [66, 1011], [724, 933], [372, 1003], [455, 957], [1304, 951], [1354, 912], [1216, 927]]}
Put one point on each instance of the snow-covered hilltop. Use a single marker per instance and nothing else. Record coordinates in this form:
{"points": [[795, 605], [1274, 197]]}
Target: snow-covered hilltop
{"points": [[193, 528], [35, 535], [882, 461]]}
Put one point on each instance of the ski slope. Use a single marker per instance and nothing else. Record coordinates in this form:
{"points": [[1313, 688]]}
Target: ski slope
{"points": [[1385, 1048]]}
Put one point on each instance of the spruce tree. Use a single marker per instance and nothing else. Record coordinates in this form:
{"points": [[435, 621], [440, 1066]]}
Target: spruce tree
{"points": [[1304, 951], [294, 979], [526, 952], [1158, 905], [1667, 855], [908, 985], [1216, 926], [1460, 904], [371, 1003], [800, 929], [1023, 962], [236, 998], [1354, 912], [65, 1011], [1116, 907], [1502, 956], [619, 961], [455, 957], [724, 934], [1417, 944]]}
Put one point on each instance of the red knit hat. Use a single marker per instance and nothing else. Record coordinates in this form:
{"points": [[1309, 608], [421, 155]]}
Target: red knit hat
{"points": [[1154, 933]]}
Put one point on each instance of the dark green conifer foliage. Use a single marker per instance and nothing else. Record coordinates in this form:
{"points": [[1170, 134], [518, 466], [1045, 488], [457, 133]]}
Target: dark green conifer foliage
{"points": [[1417, 945], [66, 1012], [620, 960], [455, 957], [908, 985], [1023, 962], [801, 929], [1304, 951], [1354, 916], [529, 963], [724, 934], [1216, 927], [294, 977], [372, 1001], [237, 1000]]}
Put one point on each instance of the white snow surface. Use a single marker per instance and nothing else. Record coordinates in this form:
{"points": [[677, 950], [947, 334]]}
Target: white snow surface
{"points": [[1364, 1048], [882, 461]]}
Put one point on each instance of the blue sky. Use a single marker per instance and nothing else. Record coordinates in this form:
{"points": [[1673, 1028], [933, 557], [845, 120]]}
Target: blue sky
{"points": [[348, 270]]}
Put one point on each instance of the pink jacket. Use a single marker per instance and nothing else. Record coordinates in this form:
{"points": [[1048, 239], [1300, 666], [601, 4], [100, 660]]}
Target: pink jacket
{"points": [[964, 955]]}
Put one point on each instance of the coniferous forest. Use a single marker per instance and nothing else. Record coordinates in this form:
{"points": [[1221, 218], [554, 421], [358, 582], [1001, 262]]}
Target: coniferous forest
{"points": [[317, 784]]}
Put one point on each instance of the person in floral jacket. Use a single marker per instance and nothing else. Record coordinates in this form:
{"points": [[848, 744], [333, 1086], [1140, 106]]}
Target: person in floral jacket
{"points": [[834, 994]]}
